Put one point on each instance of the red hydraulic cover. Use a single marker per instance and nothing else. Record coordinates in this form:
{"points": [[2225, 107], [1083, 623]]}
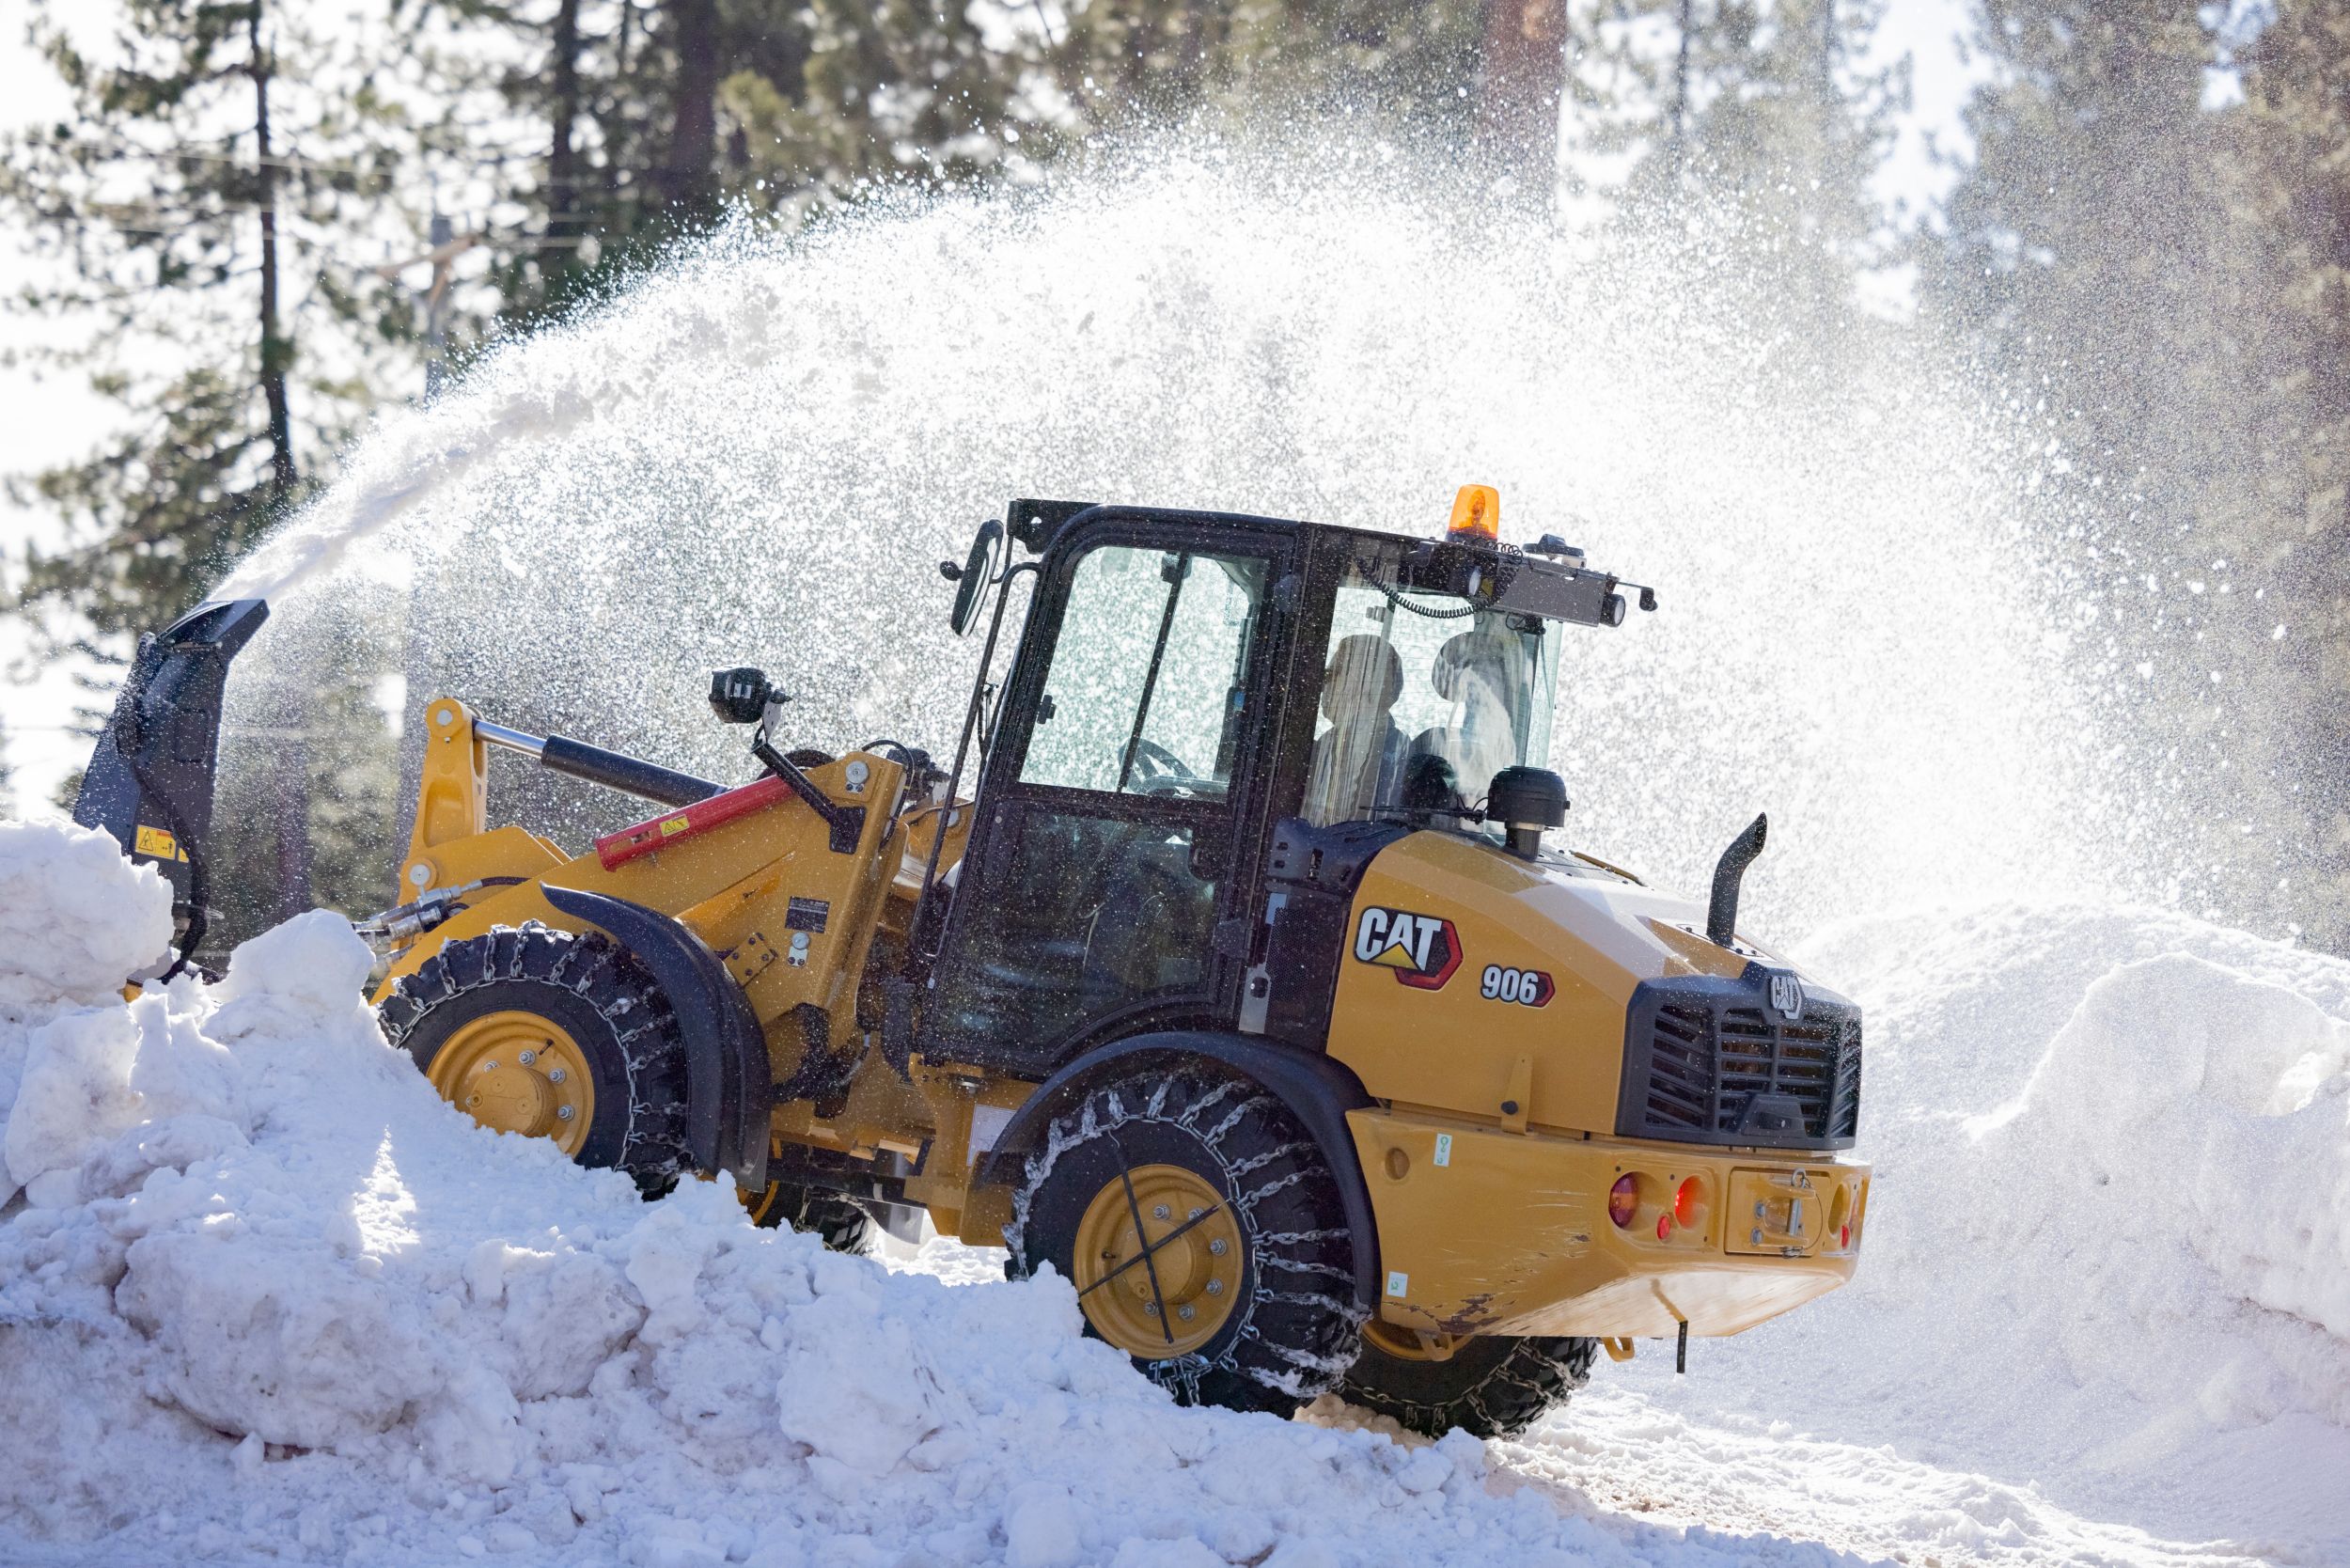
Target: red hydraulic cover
{"points": [[617, 848]]}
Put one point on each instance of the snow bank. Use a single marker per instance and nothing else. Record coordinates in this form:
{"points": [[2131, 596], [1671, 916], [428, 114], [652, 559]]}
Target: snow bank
{"points": [[2109, 1248], [264, 1293]]}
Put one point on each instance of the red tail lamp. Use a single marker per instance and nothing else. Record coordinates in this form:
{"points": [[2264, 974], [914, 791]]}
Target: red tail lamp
{"points": [[1623, 1201], [1844, 1238], [1685, 1200], [1664, 1227]]}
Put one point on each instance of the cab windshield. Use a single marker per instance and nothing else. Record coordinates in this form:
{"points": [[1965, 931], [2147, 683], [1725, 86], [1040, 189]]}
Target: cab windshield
{"points": [[1424, 698]]}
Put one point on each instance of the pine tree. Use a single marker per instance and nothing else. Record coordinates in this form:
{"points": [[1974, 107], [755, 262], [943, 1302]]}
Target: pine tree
{"points": [[200, 204], [872, 93], [2102, 258], [2292, 193], [1747, 113]]}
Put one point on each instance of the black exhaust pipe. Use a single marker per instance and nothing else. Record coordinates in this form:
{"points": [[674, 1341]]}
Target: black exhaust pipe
{"points": [[149, 781], [1721, 917]]}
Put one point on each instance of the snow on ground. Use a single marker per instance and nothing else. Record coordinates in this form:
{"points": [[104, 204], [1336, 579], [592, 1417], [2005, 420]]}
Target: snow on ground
{"points": [[264, 1298]]}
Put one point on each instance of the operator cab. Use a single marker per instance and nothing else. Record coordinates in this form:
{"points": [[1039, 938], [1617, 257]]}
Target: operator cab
{"points": [[1425, 696], [1186, 684]]}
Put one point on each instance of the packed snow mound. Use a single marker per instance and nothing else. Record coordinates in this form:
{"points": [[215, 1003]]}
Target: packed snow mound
{"points": [[76, 919], [2109, 1246], [265, 1293]]}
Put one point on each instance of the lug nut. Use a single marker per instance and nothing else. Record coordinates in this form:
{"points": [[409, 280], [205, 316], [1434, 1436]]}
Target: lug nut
{"points": [[1194, 1214], [1215, 1287], [1162, 1212], [563, 1113], [527, 1058], [555, 1076], [1152, 1308], [1216, 1247], [1183, 1312]]}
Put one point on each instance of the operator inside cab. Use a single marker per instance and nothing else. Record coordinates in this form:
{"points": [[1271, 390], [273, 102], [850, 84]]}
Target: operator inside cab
{"points": [[1472, 687]]}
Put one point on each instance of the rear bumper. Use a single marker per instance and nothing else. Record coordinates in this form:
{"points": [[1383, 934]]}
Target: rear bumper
{"points": [[1487, 1232]]}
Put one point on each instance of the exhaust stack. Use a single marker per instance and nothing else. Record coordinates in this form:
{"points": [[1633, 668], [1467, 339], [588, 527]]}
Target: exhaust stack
{"points": [[1721, 917]]}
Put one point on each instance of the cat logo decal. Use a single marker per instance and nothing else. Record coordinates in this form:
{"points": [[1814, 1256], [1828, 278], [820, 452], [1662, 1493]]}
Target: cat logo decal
{"points": [[1422, 950]]}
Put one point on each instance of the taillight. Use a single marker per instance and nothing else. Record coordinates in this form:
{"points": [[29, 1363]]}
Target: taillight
{"points": [[1664, 1227], [1844, 1238], [1685, 1202], [1623, 1201]]}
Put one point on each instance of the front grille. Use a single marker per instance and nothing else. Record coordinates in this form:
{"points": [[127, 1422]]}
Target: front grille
{"points": [[1709, 1062]]}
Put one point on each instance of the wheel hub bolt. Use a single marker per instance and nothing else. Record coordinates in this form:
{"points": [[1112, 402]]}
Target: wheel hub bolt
{"points": [[1194, 1214], [1215, 1287], [555, 1076], [563, 1113], [1161, 1211], [1150, 1308], [527, 1058], [1216, 1247], [1183, 1312]]}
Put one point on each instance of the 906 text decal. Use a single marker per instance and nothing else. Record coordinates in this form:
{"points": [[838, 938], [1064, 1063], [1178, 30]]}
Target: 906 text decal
{"points": [[1526, 987]]}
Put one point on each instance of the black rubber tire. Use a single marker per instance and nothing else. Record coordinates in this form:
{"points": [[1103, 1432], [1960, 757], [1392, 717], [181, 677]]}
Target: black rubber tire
{"points": [[1494, 1386], [601, 997], [835, 1220], [1297, 1326]]}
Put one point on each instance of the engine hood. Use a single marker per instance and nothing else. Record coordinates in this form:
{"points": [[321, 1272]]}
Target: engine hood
{"points": [[1474, 981]]}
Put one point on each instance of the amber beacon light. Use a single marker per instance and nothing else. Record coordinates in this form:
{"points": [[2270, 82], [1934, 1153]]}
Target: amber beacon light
{"points": [[1477, 514]]}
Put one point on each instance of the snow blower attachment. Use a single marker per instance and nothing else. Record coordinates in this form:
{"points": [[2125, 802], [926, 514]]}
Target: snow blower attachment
{"points": [[149, 781], [1240, 985]]}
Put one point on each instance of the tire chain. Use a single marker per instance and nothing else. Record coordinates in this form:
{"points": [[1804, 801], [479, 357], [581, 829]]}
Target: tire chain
{"points": [[1535, 1377], [594, 968], [1307, 1372]]}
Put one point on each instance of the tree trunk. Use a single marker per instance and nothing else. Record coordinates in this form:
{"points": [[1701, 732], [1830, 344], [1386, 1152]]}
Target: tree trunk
{"points": [[686, 174], [1524, 76], [276, 353], [562, 157]]}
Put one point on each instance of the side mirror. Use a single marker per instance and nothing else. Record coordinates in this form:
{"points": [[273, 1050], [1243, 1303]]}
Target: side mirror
{"points": [[972, 575], [741, 696]]}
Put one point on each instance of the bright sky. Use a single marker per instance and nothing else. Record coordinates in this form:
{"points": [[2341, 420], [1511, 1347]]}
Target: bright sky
{"points": [[41, 418]]}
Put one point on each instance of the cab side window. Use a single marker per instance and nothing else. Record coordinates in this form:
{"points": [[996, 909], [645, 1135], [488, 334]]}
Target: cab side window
{"points": [[1145, 691]]}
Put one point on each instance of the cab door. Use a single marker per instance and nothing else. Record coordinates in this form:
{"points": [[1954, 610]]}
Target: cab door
{"points": [[1107, 853]]}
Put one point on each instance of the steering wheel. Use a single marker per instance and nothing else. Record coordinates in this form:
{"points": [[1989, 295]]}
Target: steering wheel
{"points": [[1157, 770]]}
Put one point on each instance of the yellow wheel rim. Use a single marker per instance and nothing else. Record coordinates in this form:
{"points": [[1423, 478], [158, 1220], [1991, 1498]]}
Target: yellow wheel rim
{"points": [[1166, 1287], [518, 1072]]}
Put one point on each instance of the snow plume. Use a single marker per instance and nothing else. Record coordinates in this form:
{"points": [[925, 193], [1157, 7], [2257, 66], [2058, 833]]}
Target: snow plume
{"points": [[759, 451], [266, 1294]]}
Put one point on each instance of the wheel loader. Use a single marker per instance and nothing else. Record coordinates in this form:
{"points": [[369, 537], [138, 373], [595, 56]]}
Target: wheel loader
{"points": [[1234, 969]]}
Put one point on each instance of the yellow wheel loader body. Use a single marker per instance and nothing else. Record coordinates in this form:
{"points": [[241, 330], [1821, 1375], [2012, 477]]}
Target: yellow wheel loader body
{"points": [[1232, 976], [1492, 1161]]}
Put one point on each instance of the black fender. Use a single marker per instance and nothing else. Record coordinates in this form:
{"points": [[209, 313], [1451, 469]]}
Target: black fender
{"points": [[730, 1090], [1313, 1088]]}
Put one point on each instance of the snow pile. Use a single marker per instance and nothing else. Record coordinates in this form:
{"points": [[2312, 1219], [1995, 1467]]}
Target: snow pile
{"points": [[2109, 1249], [266, 1293], [263, 1295]]}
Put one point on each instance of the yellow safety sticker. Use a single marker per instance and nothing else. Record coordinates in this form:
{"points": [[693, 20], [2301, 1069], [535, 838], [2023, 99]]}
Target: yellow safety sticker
{"points": [[674, 825], [155, 842]]}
